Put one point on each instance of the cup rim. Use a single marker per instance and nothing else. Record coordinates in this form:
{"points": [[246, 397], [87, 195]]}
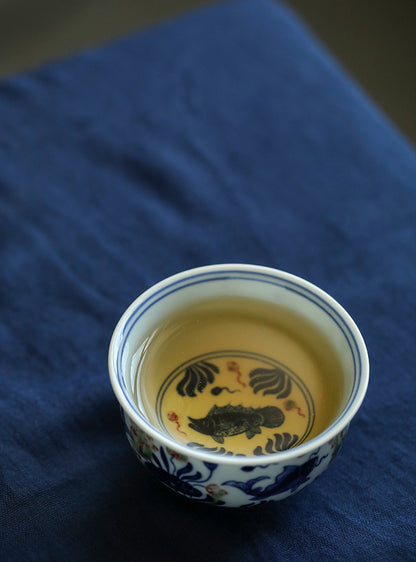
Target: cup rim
{"points": [[338, 425]]}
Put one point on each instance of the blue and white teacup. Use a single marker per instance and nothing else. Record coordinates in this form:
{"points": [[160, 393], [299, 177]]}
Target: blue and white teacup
{"points": [[215, 475]]}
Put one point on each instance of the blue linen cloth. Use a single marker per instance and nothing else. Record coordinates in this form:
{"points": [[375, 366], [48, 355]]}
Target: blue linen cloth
{"points": [[228, 135]]}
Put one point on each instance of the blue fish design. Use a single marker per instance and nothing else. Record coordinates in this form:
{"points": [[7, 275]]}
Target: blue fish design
{"points": [[226, 421]]}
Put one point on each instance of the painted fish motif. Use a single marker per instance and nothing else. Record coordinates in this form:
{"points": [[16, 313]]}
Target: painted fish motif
{"points": [[225, 421]]}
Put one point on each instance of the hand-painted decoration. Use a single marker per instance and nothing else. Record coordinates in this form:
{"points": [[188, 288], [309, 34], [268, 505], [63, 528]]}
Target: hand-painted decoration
{"points": [[236, 399], [281, 442], [292, 477], [235, 367], [219, 389], [271, 381], [196, 377], [173, 417], [205, 482], [225, 421]]}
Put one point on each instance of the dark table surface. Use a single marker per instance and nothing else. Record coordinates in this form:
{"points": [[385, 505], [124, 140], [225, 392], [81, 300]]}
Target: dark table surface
{"points": [[228, 135]]}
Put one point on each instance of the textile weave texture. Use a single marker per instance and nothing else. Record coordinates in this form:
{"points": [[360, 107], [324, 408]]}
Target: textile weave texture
{"points": [[227, 135]]}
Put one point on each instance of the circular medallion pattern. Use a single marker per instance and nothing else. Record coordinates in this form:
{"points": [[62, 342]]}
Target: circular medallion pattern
{"points": [[235, 402]]}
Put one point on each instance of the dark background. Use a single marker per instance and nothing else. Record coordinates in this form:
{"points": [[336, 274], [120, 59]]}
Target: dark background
{"points": [[226, 136], [375, 40]]}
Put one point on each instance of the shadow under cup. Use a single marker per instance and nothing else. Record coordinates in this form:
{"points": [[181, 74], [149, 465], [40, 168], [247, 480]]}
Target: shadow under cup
{"points": [[238, 360]]}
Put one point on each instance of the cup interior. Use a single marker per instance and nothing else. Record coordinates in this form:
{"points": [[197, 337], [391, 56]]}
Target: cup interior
{"points": [[301, 301]]}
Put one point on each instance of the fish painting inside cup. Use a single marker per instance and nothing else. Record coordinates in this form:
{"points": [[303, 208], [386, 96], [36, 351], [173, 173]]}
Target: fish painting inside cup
{"points": [[238, 376], [226, 421]]}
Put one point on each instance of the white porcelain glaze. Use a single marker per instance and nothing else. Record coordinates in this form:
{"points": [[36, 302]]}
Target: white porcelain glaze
{"points": [[230, 480]]}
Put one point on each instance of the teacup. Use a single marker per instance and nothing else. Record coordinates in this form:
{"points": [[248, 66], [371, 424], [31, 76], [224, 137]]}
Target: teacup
{"points": [[237, 383]]}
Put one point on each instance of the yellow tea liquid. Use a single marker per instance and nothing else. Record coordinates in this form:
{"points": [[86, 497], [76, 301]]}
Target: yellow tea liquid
{"points": [[238, 376]]}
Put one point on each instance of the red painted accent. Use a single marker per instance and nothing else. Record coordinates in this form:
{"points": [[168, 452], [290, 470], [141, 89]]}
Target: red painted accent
{"points": [[299, 412], [291, 404], [173, 417], [234, 366]]}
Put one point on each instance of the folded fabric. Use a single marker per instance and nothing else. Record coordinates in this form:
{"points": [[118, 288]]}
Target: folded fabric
{"points": [[228, 135]]}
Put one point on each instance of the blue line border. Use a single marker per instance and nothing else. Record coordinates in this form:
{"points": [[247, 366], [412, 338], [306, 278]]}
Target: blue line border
{"points": [[233, 275], [296, 379]]}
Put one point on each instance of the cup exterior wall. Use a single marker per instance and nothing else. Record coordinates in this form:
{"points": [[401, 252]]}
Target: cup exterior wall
{"points": [[229, 485]]}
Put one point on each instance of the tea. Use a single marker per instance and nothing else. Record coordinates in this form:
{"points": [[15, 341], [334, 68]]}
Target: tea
{"points": [[238, 376]]}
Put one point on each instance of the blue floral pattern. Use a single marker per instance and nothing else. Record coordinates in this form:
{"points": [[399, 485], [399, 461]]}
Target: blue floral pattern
{"points": [[289, 480], [173, 469], [206, 481]]}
